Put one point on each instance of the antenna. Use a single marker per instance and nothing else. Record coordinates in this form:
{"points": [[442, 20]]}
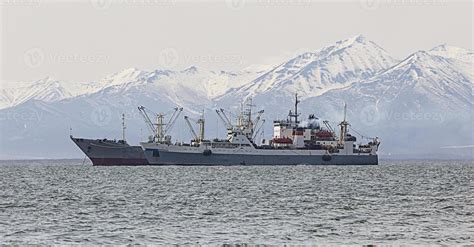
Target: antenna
{"points": [[294, 114], [345, 111], [296, 107]]}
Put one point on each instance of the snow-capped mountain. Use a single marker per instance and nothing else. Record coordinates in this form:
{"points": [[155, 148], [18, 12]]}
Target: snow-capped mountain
{"points": [[424, 99], [50, 90], [463, 58], [47, 90], [421, 82], [191, 83], [406, 102], [313, 73]]}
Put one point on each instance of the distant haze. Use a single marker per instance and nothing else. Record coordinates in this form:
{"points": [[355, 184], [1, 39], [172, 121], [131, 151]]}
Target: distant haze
{"points": [[87, 40]]}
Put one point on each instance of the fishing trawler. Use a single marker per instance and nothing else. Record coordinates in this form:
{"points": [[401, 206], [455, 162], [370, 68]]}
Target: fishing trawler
{"points": [[293, 143]]}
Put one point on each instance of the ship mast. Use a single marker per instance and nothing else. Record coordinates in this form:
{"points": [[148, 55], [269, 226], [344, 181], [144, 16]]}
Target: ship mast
{"points": [[343, 125], [201, 122], [159, 126], [296, 108], [123, 127], [295, 113]]}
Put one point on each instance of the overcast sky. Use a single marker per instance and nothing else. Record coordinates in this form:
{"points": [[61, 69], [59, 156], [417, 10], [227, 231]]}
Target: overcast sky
{"points": [[85, 41]]}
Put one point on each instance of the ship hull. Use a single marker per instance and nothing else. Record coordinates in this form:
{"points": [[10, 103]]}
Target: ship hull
{"points": [[163, 157], [108, 153]]}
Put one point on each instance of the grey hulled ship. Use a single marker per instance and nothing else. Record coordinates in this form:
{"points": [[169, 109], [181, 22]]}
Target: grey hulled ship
{"points": [[292, 143], [104, 152]]}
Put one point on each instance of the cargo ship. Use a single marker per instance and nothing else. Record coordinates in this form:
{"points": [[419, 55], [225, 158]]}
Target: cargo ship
{"points": [[293, 143], [104, 152]]}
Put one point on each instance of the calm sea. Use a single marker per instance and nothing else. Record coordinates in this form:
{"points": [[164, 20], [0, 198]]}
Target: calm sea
{"points": [[397, 202]]}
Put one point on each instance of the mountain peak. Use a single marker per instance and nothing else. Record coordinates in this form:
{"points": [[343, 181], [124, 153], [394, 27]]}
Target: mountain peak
{"points": [[449, 51], [359, 38], [44, 80], [192, 69], [447, 47], [416, 57], [353, 40], [130, 71], [420, 53]]}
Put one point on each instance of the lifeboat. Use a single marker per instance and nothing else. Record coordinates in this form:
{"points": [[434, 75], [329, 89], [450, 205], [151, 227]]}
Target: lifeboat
{"points": [[282, 140], [324, 134]]}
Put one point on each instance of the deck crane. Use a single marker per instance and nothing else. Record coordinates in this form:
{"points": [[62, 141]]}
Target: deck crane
{"points": [[148, 121], [173, 118], [326, 123], [160, 129], [198, 138], [257, 119], [220, 112], [257, 131], [186, 118]]}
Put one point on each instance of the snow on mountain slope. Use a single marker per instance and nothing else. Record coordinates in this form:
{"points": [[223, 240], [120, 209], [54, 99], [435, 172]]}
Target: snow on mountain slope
{"points": [[192, 88], [462, 57], [414, 106], [197, 83], [186, 85], [47, 90], [6, 97], [421, 82], [314, 73]]}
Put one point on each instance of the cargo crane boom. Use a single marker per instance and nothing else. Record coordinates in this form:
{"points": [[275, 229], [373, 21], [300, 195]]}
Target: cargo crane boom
{"points": [[159, 129], [148, 121], [195, 136], [258, 130], [326, 123], [173, 118], [224, 118], [257, 119]]}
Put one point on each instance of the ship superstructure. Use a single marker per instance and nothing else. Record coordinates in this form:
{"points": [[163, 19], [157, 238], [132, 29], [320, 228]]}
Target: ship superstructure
{"points": [[292, 143]]}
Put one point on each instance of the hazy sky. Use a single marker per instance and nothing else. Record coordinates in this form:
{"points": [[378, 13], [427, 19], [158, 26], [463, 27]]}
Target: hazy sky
{"points": [[84, 41]]}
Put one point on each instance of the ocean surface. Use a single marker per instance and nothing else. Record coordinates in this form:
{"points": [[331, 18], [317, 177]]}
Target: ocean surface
{"points": [[397, 202]]}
